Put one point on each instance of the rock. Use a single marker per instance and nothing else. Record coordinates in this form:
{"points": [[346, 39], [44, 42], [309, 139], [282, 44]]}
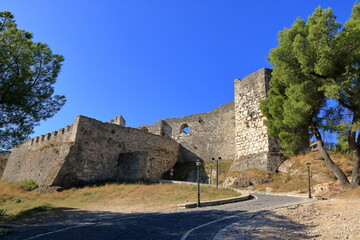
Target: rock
{"points": [[243, 183], [286, 166], [321, 188], [320, 177], [229, 181], [298, 173], [268, 189]]}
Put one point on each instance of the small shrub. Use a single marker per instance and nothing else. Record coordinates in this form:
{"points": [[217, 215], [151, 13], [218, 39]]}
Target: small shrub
{"points": [[2, 212], [29, 185]]}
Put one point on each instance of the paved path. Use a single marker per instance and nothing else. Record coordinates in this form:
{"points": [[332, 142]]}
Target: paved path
{"points": [[200, 223]]}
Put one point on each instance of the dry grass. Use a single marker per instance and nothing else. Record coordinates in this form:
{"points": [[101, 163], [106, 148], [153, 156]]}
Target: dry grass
{"points": [[350, 194], [296, 180], [18, 202], [224, 165], [344, 161]]}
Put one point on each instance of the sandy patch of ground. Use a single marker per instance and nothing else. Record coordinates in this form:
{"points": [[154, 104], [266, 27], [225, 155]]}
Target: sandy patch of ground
{"points": [[329, 219], [323, 219]]}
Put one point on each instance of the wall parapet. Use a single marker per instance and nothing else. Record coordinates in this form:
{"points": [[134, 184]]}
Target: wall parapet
{"points": [[54, 135]]}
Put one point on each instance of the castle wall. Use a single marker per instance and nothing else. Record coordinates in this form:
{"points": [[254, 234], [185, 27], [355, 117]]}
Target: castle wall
{"points": [[88, 151], [40, 158], [4, 156], [107, 151], [210, 134], [254, 149]]}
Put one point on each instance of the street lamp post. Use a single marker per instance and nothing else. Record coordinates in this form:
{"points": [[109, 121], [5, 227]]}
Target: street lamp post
{"points": [[309, 176], [211, 168], [217, 172], [198, 164]]}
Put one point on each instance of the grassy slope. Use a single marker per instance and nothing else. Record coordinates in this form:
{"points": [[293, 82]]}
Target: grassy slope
{"points": [[296, 180], [19, 202]]}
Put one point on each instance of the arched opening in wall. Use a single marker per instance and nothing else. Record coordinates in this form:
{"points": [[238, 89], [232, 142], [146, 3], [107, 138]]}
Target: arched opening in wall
{"points": [[184, 128], [145, 129]]}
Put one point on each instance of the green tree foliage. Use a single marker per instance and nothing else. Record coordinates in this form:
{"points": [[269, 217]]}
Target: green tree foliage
{"points": [[28, 71], [316, 61]]}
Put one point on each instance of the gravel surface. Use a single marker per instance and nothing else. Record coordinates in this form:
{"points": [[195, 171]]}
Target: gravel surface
{"points": [[328, 219]]}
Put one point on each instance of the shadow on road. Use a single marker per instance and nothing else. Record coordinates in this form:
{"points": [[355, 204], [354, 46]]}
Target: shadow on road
{"points": [[266, 225], [80, 224]]}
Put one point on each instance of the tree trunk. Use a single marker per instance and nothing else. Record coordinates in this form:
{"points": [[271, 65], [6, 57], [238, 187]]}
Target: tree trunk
{"points": [[354, 145], [329, 163], [355, 176]]}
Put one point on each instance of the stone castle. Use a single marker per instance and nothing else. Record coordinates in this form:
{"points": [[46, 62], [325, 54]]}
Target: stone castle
{"points": [[90, 150]]}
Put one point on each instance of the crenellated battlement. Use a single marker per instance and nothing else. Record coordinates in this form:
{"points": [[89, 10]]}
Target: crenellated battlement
{"points": [[53, 136]]}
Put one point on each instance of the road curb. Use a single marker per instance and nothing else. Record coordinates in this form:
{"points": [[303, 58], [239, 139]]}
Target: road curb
{"points": [[317, 197], [244, 194]]}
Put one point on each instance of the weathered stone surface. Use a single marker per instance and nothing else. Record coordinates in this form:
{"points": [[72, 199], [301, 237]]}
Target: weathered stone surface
{"points": [[41, 158], [285, 167], [4, 156], [321, 188], [254, 148], [88, 151], [244, 180], [321, 177], [210, 134]]}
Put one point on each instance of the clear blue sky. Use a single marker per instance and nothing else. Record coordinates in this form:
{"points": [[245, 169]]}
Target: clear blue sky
{"points": [[153, 59]]}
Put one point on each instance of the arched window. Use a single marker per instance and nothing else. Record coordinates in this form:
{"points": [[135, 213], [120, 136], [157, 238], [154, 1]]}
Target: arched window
{"points": [[184, 128]]}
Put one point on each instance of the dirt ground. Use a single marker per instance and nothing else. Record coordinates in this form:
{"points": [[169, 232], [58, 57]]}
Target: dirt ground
{"points": [[323, 219], [327, 219]]}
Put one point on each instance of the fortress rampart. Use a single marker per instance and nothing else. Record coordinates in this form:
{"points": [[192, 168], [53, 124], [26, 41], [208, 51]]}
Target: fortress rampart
{"points": [[40, 158], [90, 150]]}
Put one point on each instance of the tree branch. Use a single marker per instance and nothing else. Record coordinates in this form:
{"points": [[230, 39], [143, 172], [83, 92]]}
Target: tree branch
{"points": [[345, 105]]}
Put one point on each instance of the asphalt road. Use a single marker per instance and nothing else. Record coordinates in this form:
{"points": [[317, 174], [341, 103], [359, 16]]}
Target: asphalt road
{"points": [[199, 223]]}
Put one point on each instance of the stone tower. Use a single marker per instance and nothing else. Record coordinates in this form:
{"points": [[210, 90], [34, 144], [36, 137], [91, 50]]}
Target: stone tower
{"points": [[254, 148], [119, 120]]}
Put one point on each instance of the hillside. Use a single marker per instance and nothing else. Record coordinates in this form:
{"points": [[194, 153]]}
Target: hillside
{"points": [[292, 176]]}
